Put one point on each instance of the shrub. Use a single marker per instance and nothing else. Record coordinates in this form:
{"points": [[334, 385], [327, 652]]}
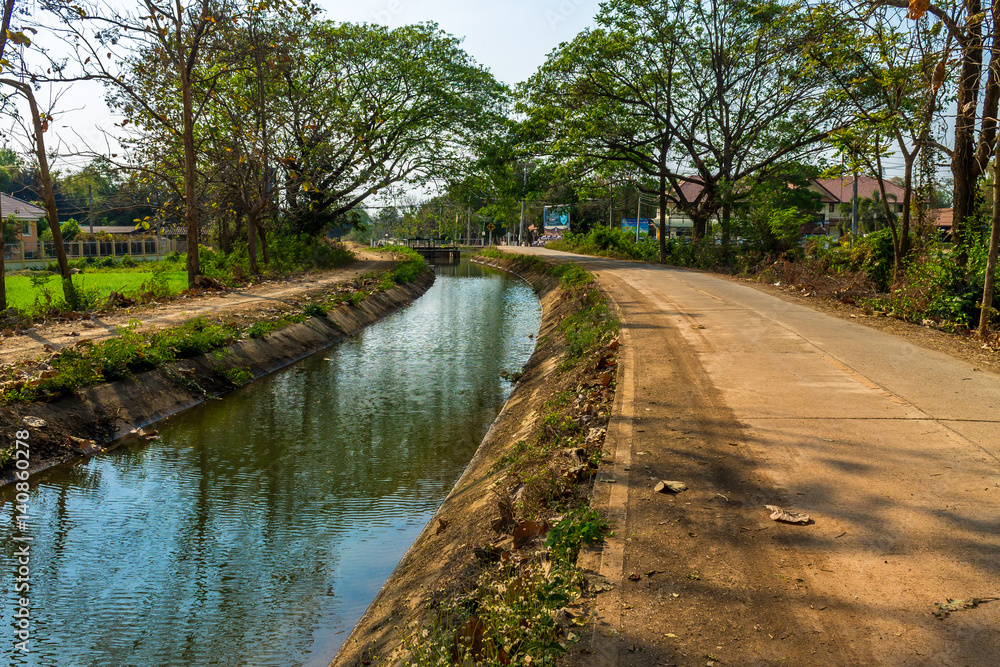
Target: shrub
{"points": [[874, 254], [314, 310]]}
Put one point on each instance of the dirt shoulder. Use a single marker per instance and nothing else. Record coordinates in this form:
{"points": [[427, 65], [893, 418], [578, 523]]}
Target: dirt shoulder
{"points": [[244, 304]]}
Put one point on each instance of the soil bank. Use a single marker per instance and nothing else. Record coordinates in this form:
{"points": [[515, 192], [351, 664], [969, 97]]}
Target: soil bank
{"points": [[98, 417]]}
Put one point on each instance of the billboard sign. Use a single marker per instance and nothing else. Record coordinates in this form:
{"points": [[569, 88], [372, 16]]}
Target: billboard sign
{"points": [[556, 218], [628, 224]]}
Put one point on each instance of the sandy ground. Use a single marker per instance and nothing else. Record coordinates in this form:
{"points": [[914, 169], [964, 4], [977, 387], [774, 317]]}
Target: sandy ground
{"points": [[891, 447], [267, 297]]}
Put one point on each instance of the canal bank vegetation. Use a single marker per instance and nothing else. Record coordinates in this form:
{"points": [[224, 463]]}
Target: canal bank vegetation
{"points": [[220, 353], [493, 579]]}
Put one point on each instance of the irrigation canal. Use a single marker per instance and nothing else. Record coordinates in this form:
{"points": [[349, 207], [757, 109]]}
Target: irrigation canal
{"points": [[261, 526]]}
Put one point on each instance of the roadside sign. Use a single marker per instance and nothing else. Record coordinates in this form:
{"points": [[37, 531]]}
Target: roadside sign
{"points": [[556, 217], [629, 224], [491, 226]]}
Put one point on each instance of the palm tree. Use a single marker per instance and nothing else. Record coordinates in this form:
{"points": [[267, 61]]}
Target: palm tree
{"points": [[872, 214]]}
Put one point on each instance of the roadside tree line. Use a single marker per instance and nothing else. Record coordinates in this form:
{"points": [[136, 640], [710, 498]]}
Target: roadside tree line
{"points": [[249, 119]]}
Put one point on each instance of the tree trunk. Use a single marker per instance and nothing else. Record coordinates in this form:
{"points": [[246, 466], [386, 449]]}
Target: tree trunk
{"points": [[727, 214], [252, 241], [262, 233], [964, 166], [904, 224], [3, 271], [48, 193], [225, 241], [190, 194], [700, 227], [986, 313], [8, 11]]}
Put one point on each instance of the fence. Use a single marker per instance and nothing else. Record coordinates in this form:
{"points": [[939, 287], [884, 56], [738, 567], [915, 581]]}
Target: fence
{"points": [[18, 256]]}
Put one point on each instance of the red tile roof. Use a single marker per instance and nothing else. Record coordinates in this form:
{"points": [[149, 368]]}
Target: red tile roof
{"points": [[842, 189], [943, 218]]}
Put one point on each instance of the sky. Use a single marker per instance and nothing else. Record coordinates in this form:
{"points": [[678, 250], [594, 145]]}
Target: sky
{"points": [[511, 38]]}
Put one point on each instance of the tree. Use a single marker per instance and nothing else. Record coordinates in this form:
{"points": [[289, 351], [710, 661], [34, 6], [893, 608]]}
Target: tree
{"points": [[165, 48], [706, 99], [8, 11], [890, 73], [241, 133], [772, 217], [40, 122], [370, 108], [974, 31]]}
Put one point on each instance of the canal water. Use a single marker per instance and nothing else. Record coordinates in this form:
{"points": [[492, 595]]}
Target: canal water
{"points": [[258, 530]]}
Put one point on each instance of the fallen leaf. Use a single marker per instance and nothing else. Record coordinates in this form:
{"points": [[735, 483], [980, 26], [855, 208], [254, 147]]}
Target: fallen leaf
{"points": [[959, 605], [787, 516], [529, 531], [670, 487]]}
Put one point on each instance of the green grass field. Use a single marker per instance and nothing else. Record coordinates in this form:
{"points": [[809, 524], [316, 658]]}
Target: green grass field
{"points": [[22, 295]]}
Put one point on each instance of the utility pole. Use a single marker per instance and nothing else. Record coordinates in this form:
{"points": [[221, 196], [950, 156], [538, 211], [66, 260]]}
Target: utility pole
{"points": [[611, 206], [520, 233], [468, 227], [90, 206], [638, 209], [854, 210]]}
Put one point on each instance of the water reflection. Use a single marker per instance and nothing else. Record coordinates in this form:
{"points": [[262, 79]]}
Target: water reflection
{"points": [[258, 530]]}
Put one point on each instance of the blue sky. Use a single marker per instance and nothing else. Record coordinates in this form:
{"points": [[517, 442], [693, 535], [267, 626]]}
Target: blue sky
{"points": [[511, 37]]}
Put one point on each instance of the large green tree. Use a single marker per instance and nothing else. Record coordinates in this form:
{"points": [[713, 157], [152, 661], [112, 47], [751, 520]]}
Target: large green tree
{"points": [[370, 108]]}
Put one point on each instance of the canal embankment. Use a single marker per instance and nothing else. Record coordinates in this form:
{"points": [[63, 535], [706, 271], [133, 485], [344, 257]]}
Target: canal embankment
{"points": [[80, 420], [493, 575]]}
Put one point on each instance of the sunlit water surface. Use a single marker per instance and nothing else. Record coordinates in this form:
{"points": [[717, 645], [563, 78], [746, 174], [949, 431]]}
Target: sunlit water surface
{"points": [[261, 526]]}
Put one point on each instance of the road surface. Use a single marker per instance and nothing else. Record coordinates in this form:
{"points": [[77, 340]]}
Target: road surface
{"points": [[892, 449]]}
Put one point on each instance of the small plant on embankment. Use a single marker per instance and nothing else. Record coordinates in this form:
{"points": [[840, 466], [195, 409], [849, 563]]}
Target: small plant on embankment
{"points": [[516, 614], [521, 607]]}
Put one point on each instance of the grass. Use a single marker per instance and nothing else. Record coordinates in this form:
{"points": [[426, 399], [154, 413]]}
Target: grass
{"points": [[131, 351], [24, 295]]}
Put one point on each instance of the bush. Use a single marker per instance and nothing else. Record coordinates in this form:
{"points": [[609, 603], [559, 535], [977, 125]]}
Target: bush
{"points": [[605, 242], [70, 230], [314, 310], [874, 254]]}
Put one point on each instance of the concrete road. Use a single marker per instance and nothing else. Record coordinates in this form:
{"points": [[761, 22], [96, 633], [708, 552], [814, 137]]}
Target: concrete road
{"points": [[892, 449]]}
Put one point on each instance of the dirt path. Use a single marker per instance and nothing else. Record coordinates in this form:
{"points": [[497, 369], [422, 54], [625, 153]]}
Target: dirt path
{"points": [[266, 297], [893, 449]]}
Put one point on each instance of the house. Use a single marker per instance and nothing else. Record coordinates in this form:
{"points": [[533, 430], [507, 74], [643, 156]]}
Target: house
{"points": [[836, 192], [28, 215]]}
